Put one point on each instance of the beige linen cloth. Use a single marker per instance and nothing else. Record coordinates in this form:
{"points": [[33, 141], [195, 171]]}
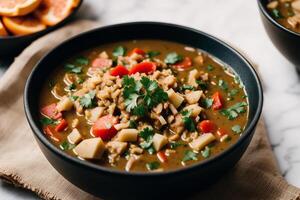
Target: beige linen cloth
{"points": [[256, 176]]}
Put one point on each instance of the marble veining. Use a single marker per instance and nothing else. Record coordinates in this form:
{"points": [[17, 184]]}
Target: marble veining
{"points": [[238, 23]]}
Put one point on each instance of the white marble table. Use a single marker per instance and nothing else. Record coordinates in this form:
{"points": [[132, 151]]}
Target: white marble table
{"points": [[238, 23]]}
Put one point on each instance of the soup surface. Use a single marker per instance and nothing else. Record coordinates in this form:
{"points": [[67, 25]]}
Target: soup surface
{"points": [[286, 12], [145, 105]]}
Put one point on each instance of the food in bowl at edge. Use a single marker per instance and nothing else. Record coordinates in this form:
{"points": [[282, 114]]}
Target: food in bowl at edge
{"points": [[286, 13], [24, 17], [143, 105]]}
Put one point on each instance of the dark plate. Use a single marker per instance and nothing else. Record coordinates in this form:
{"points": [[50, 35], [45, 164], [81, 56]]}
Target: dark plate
{"points": [[285, 40], [13, 45], [109, 183]]}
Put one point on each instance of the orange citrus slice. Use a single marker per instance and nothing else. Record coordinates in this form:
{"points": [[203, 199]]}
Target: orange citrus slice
{"points": [[13, 8], [23, 25], [3, 32], [51, 12]]}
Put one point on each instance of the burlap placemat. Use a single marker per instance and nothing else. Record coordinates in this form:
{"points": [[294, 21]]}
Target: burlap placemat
{"points": [[256, 176]]}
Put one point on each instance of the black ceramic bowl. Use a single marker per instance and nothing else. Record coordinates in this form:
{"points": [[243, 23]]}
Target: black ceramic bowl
{"points": [[285, 40], [109, 183], [13, 45]]}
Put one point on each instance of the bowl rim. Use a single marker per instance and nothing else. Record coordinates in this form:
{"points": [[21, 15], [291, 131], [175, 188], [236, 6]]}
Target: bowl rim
{"points": [[265, 12], [97, 168], [46, 30]]}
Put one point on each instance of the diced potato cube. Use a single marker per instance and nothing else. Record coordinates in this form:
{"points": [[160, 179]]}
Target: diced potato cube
{"points": [[127, 135], [162, 120], [192, 77], [175, 98], [272, 5], [104, 55], [116, 147], [193, 97], [201, 141], [194, 108], [296, 5], [159, 141], [64, 104], [95, 113], [74, 137], [92, 148]]}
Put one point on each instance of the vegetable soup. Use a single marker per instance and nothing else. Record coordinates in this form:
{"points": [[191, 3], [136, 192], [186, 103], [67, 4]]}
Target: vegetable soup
{"points": [[143, 105]]}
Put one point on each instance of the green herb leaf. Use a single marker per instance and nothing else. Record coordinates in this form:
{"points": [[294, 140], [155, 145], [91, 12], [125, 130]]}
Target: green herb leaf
{"points": [[131, 102], [173, 58], [187, 121], [152, 165], [151, 150], [74, 98], [140, 110], [206, 152], [203, 85], [146, 133], [73, 68], [82, 60], [174, 145], [88, 100], [119, 51], [48, 121], [71, 86], [189, 155], [66, 146], [152, 54], [223, 85], [79, 80], [236, 129], [186, 87], [276, 13], [132, 124], [233, 92], [210, 68], [233, 111], [207, 102]]}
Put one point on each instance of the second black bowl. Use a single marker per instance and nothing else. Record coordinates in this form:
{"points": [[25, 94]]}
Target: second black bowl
{"points": [[285, 40], [107, 182]]}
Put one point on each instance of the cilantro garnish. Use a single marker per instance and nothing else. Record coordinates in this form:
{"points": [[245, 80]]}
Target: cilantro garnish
{"points": [[119, 51], [88, 100], [141, 101], [132, 124], [173, 58], [73, 68], [203, 85], [189, 155], [174, 145], [74, 98], [223, 85], [187, 121], [236, 129], [207, 102], [210, 68], [186, 87], [152, 54], [66, 146], [276, 13], [48, 121], [152, 165], [71, 86], [147, 135], [206, 152], [233, 111], [82, 60]]}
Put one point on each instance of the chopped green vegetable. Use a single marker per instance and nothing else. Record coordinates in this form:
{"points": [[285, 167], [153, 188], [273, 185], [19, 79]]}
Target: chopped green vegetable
{"points": [[206, 152], [88, 100], [119, 51], [71, 86], [132, 124], [189, 155], [152, 54], [276, 13], [233, 111], [187, 121], [48, 121], [152, 165], [73, 68], [236, 129], [207, 102], [223, 85], [74, 98], [203, 85], [82, 60], [210, 68], [147, 135], [66, 146], [186, 87], [173, 58], [233, 92], [174, 145], [151, 150], [80, 80]]}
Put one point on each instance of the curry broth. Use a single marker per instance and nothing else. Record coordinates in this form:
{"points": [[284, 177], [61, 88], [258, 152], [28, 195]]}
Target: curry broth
{"points": [[218, 72]]}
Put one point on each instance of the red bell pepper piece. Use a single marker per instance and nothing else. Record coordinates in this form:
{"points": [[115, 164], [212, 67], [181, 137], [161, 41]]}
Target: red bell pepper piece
{"points": [[217, 101], [119, 70], [137, 51], [104, 127], [143, 67], [162, 157], [206, 126], [185, 63], [51, 133], [63, 124], [101, 62], [51, 111]]}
